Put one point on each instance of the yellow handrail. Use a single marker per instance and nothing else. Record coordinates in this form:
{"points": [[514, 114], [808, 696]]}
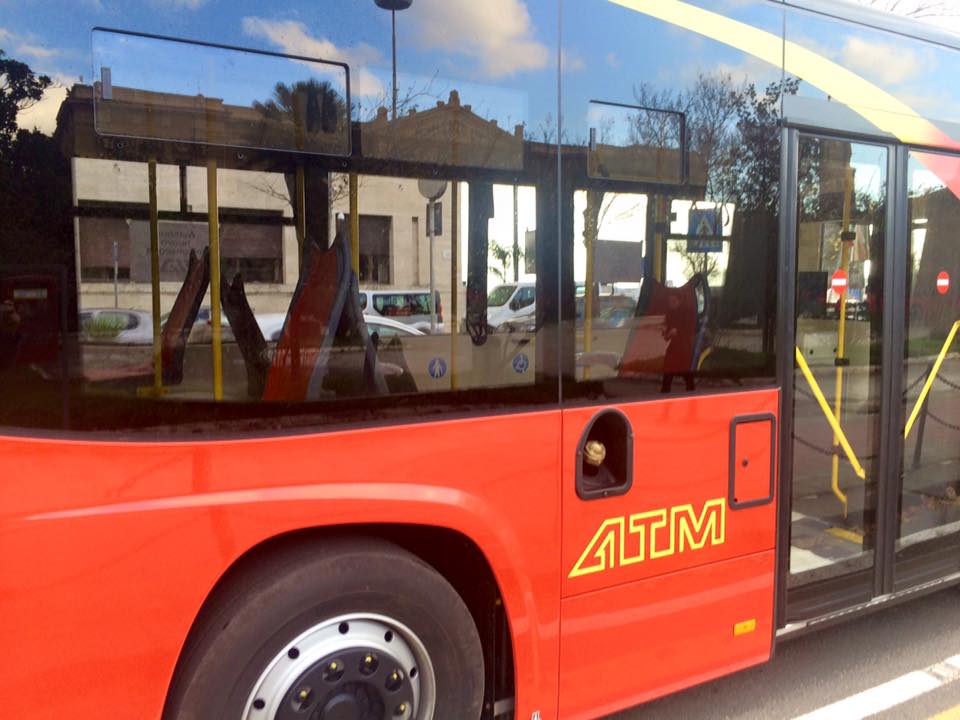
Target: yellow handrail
{"points": [[845, 247], [835, 426], [931, 378]]}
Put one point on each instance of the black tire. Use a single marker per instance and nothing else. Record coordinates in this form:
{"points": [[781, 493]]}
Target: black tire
{"points": [[286, 593]]}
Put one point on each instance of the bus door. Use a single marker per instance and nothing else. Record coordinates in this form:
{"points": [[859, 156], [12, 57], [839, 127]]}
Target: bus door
{"points": [[668, 507], [840, 342], [924, 517]]}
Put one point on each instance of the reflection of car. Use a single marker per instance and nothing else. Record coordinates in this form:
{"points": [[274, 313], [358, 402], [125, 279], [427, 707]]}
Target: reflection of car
{"points": [[132, 327], [410, 307], [511, 304], [385, 328], [271, 324], [609, 310]]}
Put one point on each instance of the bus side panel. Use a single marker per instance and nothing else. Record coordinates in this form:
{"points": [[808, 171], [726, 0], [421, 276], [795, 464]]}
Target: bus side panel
{"points": [[118, 582], [656, 636]]}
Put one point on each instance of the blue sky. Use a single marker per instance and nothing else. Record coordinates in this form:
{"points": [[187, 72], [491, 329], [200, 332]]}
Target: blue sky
{"points": [[500, 54]]}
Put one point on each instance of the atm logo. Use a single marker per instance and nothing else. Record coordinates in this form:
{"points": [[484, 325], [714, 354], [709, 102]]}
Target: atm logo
{"points": [[643, 536]]}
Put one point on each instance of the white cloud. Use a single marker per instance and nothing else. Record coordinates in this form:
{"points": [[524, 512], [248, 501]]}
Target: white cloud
{"points": [[43, 115], [36, 51], [889, 63], [293, 38], [613, 61], [497, 33]]}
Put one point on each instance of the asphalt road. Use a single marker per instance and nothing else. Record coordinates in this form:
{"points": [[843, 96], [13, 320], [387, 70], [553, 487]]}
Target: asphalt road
{"points": [[819, 669]]}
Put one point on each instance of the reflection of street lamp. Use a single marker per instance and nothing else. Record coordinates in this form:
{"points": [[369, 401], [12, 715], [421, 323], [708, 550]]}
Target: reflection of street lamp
{"points": [[393, 6]]}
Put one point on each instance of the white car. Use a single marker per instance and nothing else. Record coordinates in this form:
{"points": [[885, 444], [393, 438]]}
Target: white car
{"points": [[408, 306], [511, 303], [387, 328]]}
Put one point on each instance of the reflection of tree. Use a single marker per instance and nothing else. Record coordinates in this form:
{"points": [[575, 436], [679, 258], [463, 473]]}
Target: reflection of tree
{"points": [[312, 106], [20, 88], [35, 195], [916, 8], [503, 257], [733, 138]]}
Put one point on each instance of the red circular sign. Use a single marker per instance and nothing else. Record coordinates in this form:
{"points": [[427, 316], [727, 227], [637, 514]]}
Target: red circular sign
{"points": [[839, 282], [943, 283]]}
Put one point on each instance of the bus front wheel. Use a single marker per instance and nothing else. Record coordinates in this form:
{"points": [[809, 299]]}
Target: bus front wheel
{"points": [[355, 629]]}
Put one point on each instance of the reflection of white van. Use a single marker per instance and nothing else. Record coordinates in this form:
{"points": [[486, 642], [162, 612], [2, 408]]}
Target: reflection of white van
{"points": [[411, 307], [511, 301]]}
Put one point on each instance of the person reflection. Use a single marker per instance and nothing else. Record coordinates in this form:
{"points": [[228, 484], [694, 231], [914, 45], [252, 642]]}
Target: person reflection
{"points": [[679, 330]]}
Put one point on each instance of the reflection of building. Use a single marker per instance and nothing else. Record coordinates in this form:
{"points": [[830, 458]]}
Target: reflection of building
{"points": [[258, 236]]}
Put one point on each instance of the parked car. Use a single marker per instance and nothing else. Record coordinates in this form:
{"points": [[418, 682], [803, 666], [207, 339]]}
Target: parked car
{"points": [[410, 307], [511, 304], [386, 328]]}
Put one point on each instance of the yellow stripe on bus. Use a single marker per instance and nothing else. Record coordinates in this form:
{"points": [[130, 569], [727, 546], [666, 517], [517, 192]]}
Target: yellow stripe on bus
{"points": [[873, 103]]}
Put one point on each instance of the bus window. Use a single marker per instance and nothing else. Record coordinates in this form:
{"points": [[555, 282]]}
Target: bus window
{"points": [[674, 225], [264, 237]]}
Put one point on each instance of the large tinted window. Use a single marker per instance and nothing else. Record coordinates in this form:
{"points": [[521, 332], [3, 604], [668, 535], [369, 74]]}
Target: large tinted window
{"points": [[672, 198], [122, 308]]}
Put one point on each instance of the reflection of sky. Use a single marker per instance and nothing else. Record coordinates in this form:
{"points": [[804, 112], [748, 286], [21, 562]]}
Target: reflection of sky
{"points": [[511, 79], [238, 78], [504, 69]]}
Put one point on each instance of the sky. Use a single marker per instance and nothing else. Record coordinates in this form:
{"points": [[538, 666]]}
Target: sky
{"points": [[499, 54]]}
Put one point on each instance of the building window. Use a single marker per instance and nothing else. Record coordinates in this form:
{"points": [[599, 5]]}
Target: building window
{"points": [[375, 264]]}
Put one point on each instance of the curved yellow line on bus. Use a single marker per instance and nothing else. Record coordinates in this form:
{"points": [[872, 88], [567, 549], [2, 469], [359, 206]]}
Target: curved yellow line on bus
{"points": [[873, 103]]}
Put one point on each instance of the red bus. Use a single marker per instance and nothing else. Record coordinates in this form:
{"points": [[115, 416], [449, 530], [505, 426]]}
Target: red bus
{"points": [[713, 420]]}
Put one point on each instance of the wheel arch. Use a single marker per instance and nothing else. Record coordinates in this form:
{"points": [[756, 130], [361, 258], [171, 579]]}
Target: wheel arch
{"points": [[452, 554]]}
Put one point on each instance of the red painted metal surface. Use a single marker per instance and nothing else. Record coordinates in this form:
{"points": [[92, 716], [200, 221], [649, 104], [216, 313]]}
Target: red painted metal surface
{"points": [[652, 590], [656, 636], [107, 550], [681, 455]]}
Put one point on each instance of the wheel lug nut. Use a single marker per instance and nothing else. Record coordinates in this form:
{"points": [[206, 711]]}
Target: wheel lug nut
{"points": [[369, 664], [303, 698], [401, 710], [394, 681], [333, 671]]}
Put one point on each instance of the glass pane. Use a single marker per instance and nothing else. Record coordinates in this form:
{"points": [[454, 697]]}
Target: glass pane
{"points": [[840, 245], [162, 89], [929, 513], [353, 289], [636, 143]]}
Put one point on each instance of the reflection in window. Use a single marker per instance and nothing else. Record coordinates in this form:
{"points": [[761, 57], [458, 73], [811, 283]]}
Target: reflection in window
{"points": [[678, 281], [342, 284], [928, 513]]}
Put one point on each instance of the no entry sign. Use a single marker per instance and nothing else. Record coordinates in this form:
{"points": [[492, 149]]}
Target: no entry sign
{"points": [[943, 283], [839, 282]]}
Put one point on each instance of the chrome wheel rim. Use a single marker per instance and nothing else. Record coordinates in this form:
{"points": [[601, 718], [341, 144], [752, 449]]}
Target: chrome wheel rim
{"points": [[358, 666]]}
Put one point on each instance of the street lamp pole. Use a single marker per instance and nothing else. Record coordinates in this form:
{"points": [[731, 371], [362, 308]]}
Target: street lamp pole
{"points": [[393, 22], [393, 6]]}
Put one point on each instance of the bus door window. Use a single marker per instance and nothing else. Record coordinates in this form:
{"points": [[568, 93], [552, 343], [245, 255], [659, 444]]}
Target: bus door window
{"points": [[841, 242], [928, 516]]}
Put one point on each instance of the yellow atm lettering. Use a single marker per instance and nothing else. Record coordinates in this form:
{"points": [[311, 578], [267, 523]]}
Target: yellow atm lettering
{"points": [[649, 535]]}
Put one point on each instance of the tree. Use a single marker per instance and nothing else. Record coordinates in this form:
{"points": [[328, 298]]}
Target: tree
{"points": [[315, 105], [918, 9], [20, 88], [503, 256]]}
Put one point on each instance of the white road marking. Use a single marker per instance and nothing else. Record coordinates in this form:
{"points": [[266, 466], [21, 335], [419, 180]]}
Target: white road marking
{"points": [[889, 694]]}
